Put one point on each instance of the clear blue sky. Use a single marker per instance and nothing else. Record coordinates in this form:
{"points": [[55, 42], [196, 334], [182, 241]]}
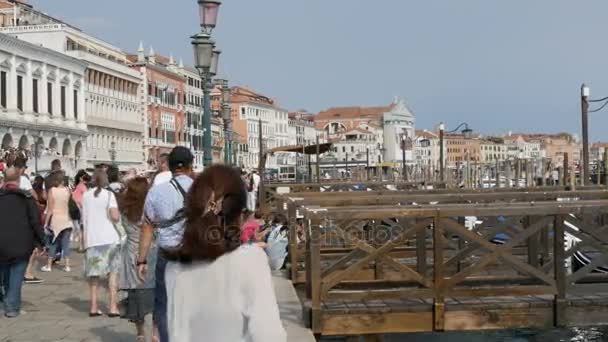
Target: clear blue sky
{"points": [[498, 65]]}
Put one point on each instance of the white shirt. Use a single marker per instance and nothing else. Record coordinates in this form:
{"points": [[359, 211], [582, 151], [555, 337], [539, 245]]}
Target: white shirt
{"points": [[25, 184], [163, 177], [231, 299], [98, 229], [256, 182]]}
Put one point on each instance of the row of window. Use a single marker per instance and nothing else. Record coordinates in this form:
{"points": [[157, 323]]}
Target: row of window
{"points": [[35, 96], [113, 83], [170, 97], [100, 141]]}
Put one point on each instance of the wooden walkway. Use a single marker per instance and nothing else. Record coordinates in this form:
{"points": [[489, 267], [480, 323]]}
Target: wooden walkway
{"points": [[383, 262]]}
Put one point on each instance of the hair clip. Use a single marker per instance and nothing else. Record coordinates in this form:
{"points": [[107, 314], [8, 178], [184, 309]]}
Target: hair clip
{"points": [[214, 206]]}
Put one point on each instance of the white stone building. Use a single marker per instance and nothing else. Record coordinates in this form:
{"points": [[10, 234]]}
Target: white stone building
{"points": [[399, 131], [114, 99], [42, 100], [520, 147], [426, 152], [193, 110]]}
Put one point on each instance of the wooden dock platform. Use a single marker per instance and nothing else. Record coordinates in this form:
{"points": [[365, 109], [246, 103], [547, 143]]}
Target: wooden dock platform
{"points": [[429, 272]]}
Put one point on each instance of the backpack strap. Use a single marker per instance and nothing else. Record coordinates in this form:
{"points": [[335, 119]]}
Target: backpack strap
{"points": [[180, 215]]}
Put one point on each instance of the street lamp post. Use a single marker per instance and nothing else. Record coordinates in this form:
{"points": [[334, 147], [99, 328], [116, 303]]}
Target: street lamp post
{"points": [[585, 123], [227, 120], [206, 59], [441, 153]]}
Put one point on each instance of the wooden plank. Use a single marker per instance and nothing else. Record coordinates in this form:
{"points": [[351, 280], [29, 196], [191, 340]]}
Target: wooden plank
{"points": [[533, 243], [378, 294], [498, 319], [360, 324], [559, 271], [294, 256], [315, 278], [421, 262]]}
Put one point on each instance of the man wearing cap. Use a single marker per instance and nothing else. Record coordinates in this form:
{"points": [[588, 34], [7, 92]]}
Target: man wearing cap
{"points": [[163, 211]]}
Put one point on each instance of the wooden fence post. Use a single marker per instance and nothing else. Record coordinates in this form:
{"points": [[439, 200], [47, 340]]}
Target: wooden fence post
{"points": [[315, 274], [532, 243], [439, 300], [559, 303], [421, 265], [294, 255]]}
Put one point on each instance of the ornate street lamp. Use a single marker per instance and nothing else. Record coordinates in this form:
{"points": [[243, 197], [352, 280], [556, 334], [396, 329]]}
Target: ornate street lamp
{"points": [[206, 58], [215, 62], [203, 51], [208, 11]]}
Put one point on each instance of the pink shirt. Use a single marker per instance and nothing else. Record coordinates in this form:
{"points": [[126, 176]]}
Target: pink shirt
{"points": [[78, 193], [249, 229]]}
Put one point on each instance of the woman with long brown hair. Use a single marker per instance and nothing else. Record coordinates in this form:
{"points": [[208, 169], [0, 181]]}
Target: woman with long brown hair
{"points": [[217, 288], [101, 241], [140, 300]]}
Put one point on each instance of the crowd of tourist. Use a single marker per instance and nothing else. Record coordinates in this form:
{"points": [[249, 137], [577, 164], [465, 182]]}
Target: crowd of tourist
{"points": [[191, 249]]}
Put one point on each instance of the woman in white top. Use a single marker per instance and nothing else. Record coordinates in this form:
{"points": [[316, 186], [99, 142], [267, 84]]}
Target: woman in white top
{"points": [[218, 290], [101, 241]]}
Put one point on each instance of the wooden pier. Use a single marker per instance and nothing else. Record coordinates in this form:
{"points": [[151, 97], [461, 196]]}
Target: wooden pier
{"points": [[381, 262]]}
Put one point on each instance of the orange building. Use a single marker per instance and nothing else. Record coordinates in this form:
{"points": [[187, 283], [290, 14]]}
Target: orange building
{"points": [[460, 148], [165, 104], [342, 119]]}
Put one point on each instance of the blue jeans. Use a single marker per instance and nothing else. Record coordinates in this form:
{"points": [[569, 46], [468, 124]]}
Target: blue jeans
{"points": [[160, 299], [61, 244], [12, 280]]}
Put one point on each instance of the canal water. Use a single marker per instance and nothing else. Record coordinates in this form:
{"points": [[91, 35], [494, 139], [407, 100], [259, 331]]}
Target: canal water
{"points": [[587, 334]]}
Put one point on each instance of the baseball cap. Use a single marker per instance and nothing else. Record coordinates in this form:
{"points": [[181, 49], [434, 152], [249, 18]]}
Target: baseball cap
{"points": [[179, 157]]}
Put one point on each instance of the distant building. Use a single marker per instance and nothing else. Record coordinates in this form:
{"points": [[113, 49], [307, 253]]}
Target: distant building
{"points": [[42, 103], [165, 94], [398, 132], [426, 152], [248, 110], [493, 150], [461, 148], [373, 134], [597, 151], [113, 106]]}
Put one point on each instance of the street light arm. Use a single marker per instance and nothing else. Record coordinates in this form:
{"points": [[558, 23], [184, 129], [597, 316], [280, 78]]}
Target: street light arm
{"points": [[599, 100], [466, 126], [600, 108]]}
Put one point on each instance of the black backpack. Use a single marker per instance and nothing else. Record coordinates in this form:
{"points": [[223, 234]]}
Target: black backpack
{"points": [[73, 209]]}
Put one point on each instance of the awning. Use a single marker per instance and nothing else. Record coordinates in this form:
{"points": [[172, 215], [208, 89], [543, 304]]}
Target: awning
{"points": [[310, 149]]}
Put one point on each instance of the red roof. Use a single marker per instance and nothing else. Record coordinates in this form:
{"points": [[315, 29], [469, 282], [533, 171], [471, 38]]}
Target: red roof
{"points": [[352, 113]]}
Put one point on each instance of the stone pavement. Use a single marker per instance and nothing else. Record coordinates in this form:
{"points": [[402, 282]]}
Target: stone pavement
{"points": [[57, 310]]}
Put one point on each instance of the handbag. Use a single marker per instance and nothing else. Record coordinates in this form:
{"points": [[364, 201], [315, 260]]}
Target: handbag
{"points": [[73, 209], [120, 229]]}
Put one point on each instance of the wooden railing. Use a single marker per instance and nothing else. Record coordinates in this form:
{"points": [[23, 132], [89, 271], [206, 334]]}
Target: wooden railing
{"points": [[450, 262], [378, 200]]}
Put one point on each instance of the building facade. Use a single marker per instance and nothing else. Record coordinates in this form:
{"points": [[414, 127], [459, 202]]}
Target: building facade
{"points": [[42, 104], [193, 110], [251, 112], [111, 89], [426, 152], [165, 104], [461, 148], [399, 126]]}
